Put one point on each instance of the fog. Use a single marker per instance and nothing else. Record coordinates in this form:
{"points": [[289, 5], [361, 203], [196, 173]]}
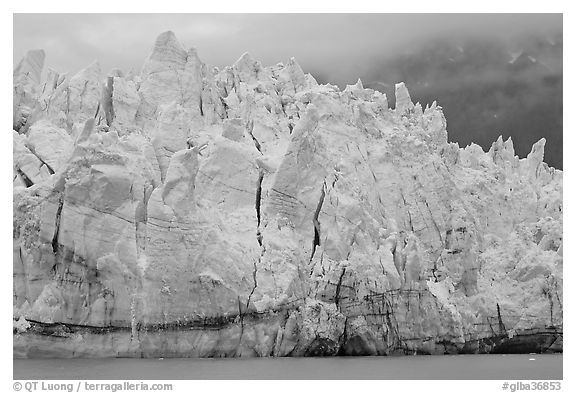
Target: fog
{"points": [[339, 45], [493, 73]]}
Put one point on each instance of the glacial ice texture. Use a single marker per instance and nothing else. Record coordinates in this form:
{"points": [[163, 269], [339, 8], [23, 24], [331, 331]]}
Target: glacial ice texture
{"points": [[249, 211]]}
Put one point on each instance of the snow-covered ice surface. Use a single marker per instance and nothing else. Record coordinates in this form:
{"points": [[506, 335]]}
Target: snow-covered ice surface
{"points": [[190, 211]]}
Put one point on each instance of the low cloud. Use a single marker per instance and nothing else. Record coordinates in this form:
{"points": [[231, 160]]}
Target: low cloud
{"points": [[339, 45], [381, 49]]}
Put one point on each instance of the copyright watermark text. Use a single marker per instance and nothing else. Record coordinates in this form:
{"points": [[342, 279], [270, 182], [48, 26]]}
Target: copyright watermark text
{"points": [[84, 386]]}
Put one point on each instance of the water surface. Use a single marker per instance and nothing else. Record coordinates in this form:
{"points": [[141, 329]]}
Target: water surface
{"points": [[510, 367]]}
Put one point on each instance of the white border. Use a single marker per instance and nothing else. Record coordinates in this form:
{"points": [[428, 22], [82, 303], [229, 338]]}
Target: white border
{"points": [[423, 6]]}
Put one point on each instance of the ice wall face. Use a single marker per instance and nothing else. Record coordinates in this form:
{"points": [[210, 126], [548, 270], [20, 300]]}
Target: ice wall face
{"points": [[249, 211]]}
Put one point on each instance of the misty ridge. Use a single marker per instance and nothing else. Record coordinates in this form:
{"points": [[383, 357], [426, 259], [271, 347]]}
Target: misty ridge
{"points": [[486, 87], [493, 74]]}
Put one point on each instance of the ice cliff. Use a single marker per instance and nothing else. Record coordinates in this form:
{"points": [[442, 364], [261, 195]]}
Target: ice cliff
{"points": [[249, 211]]}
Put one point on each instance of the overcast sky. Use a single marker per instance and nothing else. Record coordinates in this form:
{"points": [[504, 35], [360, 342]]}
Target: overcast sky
{"points": [[337, 46], [464, 61]]}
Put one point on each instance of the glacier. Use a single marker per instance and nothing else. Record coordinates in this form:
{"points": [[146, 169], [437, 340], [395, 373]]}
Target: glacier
{"points": [[189, 211]]}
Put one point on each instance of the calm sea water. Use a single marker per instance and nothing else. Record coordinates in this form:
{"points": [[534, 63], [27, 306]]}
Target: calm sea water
{"points": [[534, 367]]}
